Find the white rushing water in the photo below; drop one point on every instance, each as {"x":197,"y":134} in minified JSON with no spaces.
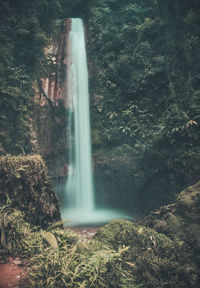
{"x":80,"y":183}
{"x":80,"y":206}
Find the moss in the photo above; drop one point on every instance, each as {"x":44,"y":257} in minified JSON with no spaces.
{"x":25,"y":185}
{"x":188,"y":203}
{"x":152,"y":258}
{"x":138,"y":238}
{"x":173,"y":219}
{"x":180,"y":222}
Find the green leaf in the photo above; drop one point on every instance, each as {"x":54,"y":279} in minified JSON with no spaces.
{"x":57,"y":224}
{"x":2,"y":229}
{"x":51,"y":239}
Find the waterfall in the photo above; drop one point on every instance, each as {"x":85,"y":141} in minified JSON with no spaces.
{"x":79,"y":206}
{"x":80,"y":184}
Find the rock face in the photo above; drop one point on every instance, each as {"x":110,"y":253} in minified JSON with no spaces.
{"x":49,"y":129}
{"x":114,"y":183}
{"x":24,"y":185}
{"x":49,"y":120}
{"x":53,"y":88}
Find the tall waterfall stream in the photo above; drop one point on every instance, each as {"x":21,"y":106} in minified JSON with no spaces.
{"x":79,"y":206}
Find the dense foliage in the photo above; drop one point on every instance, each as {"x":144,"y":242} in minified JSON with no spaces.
{"x":25,"y":30}
{"x":169,"y":258}
{"x":25,"y":185}
{"x":162,"y":251}
{"x":144,"y":66}
{"x":144,"y":78}
{"x":144,"y":81}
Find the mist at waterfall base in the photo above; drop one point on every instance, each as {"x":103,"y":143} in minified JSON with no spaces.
{"x":79,"y":200}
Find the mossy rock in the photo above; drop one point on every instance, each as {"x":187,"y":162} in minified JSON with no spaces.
{"x":188,"y":203}
{"x":152,"y":258}
{"x":180,"y":220}
{"x":25,"y":185}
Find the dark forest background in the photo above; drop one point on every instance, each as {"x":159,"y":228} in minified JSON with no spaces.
{"x":143,"y":59}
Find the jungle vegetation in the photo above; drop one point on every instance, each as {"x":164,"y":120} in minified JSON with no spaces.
{"x":144,"y":82}
{"x":143,"y":59}
{"x":144,"y":65}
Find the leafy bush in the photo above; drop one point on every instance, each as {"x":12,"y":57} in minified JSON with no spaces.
{"x":22,"y":239}
{"x":83,"y":265}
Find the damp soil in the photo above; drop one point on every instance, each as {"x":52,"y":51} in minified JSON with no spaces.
{"x":86,"y":232}
{"x":11,"y":272}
